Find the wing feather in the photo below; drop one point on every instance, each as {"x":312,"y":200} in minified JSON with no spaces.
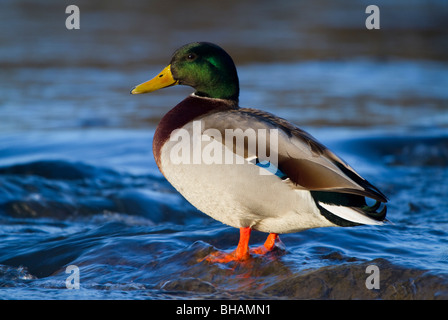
{"x":302,"y":158}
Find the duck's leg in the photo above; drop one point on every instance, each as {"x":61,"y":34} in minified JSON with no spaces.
{"x":240,"y":253}
{"x":272,"y":241}
{"x":242,"y":250}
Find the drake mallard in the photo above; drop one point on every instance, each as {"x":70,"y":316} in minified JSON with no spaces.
{"x":307,"y":186}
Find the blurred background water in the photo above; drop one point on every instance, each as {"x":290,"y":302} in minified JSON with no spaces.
{"x":79,"y":186}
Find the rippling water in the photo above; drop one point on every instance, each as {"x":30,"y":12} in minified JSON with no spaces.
{"x":79,"y":185}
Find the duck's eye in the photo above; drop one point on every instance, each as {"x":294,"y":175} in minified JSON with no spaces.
{"x":191,"y":57}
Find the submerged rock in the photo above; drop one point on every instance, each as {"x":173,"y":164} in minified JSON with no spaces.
{"x":348,"y":281}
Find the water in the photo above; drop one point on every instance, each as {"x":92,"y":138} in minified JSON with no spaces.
{"x":79,"y":185}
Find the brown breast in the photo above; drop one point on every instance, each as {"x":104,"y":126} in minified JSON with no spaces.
{"x":191,"y":108}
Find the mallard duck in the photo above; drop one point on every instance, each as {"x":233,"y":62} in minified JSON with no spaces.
{"x":268,"y":176}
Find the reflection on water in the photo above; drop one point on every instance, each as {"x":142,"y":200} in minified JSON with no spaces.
{"x":78,"y":183}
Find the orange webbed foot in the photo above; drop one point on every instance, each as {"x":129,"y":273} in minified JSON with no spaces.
{"x":242,"y":252}
{"x":273,"y":241}
{"x":239,"y":254}
{"x":224,"y":257}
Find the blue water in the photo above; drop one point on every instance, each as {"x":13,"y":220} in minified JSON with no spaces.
{"x":79,"y":185}
{"x":94,"y":199}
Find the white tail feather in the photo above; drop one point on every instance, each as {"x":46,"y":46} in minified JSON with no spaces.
{"x":349,"y":214}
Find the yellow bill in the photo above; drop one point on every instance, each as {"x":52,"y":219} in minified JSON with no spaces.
{"x":162,"y":80}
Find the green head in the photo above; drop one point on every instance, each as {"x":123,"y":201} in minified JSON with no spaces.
{"x":201,"y":65}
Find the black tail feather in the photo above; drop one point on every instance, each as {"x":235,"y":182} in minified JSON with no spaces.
{"x":355,"y":202}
